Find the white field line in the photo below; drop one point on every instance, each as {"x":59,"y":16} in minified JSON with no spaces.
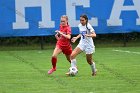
{"x":127,"y":52}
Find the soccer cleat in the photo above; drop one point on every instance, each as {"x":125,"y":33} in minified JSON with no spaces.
{"x":94,"y":73}
{"x":68,"y":73}
{"x":51,"y":70}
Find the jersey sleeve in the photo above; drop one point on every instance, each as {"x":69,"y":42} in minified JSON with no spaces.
{"x":91,"y":28}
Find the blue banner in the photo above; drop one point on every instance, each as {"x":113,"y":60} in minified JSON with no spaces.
{"x":42,"y":17}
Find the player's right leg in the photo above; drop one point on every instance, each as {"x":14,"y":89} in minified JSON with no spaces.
{"x":75,"y":52}
{"x":54,"y":59}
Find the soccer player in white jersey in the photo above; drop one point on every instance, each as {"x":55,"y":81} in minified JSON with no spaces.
{"x":86,"y":43}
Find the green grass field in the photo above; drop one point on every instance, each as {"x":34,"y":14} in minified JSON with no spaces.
{"x":26,"y":72}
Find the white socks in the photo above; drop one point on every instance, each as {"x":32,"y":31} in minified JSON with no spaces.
{"x":73,"y":63}
{"x":93,"y":68}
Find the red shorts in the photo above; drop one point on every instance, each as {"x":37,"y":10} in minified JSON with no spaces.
{"x":65,"y":50}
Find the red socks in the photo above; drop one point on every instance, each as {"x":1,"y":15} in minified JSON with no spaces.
{"x":54,"y":61}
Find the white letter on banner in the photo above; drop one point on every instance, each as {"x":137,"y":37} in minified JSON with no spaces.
{"x":71,"y":11}
{"x":20,"y":13}
{"x":118,"y":8}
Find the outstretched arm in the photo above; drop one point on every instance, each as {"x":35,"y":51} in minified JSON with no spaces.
{"x":75,"y":38}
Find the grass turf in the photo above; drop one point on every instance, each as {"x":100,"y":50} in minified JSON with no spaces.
{"x":26,"y":72}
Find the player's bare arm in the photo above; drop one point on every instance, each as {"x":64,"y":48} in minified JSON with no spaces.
{"x":75,"y":38}
{"x":93,"y":35}
{"x":68,"y":36}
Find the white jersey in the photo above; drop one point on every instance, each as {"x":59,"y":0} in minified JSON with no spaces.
{"x":86,"y":30}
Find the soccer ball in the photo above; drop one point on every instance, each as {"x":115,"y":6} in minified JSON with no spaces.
{"x":73,"y":71}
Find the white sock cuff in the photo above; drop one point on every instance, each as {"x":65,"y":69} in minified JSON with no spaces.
{"x":73,"y":60}
{"x":93,"y":63}
{"x":73,"y":63}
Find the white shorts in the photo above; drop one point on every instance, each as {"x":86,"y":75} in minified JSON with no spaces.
{"x":88,"y":49}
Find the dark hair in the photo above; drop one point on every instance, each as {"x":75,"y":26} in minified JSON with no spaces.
{"x":86,"y":18}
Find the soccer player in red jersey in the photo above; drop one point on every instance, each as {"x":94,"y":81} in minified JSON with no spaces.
{"x":63,"y":43}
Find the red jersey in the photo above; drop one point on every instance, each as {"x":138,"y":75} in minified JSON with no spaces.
{"x":64,"y":42}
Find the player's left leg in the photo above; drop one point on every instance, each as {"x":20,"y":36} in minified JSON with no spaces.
{"x":67,"y":53}
{"x":91,"y":63}
{"x":68,"y":58}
